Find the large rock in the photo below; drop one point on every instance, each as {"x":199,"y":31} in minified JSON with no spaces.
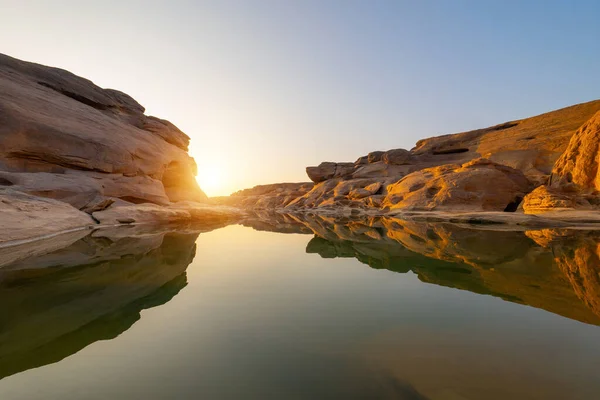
{"x":78,"y":191}
{"x":53,"y":121}
{"x":521,"y":155}
{"x":184,"y":211}
{"x":24,"y":216}
{"x":575,"y":179}
{"x":578,"y":165}
{"x":397,"y":157}
{"x":477,"y":185}
{"x":329,"y":170}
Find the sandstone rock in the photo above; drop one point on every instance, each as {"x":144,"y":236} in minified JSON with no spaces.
{"x":24,"y":216}
{"x":329,"y":170}
{"x":56,"y":122}
{"x":362,"y":160}
{"x":141,"y":213}
{"x":477,"y":185}
{"x":184,"y":211}
{"x":267,"y":197}
{"x":79,"y":191}
{"x":543,"y":199}
{"x":441,"y":173}
{"x":578,"y":165}
{"x":368,"y":190}
{"x":375,"y":156}
{"x":575,"y":179}
{"x":397,"y":157}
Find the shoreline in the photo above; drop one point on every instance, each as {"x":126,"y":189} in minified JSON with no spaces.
{"x":572,"y":219}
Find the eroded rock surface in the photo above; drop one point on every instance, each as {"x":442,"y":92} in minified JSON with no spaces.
{"x":575,"y":180}
{"x":484,"y":170}
{"x":23,"y":216}
{"x":57,"y":123}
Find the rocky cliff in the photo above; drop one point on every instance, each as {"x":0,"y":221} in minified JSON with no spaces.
{"x":64,"y":138}
{"x":490,"y":169}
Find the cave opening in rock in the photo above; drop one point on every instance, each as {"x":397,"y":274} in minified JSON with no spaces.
{"x":449,"y":151}
{"x":5,"y":182}
{"x":513,"y":205}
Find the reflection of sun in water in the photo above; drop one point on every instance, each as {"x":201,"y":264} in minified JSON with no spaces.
{"x":209,"y":178}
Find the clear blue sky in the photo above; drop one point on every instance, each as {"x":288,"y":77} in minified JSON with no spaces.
{"x":265,"y":88}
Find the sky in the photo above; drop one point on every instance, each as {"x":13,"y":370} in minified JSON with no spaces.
{"x":265,"y":88}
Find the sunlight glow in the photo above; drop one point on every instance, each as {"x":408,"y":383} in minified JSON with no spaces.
{"x":210,"y":179}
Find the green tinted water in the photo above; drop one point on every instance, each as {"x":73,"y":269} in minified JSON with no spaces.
{"x":411,"y":312}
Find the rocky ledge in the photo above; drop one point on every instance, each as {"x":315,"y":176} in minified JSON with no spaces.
{"x":543,"y":164}
{"x":73,"y":154}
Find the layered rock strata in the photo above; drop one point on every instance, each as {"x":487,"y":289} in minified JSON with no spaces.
{"x":64,"y":138}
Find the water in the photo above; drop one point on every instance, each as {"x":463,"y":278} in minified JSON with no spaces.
{"x":372,"y":309}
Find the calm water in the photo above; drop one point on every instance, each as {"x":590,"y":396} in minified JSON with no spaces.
{"x":369,"y":310}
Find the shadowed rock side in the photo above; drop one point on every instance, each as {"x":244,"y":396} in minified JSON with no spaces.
{"x":87,"y":140}
{"x":485,"y":170}
{"x":64,"y":138}
{"x":54,"y":305}
{"x":555,"y":270}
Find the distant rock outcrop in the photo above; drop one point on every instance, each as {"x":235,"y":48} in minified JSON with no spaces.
{"x":490,"y":169}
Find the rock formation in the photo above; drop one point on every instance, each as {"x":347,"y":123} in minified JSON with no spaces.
{"x":575,"y":179}
{"x":64,"y":138}
{"x":491,"y":169}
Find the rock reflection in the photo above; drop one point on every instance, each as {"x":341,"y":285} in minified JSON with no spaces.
{"x":551,"y":269}
{"x":55,"y":304}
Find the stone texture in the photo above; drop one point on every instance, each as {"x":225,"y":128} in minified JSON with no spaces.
{"x":24,"y":216}
{"x":78,"y":191}
{"x":179,"y":212}
{"x":397,"y":157}
{"x":477,"y":185}
{"x":56,"y":122}
{"x":579,"y":164}
{"x":575,"y":180}
{"x":262,"y":197}
{"x":329,"y":170}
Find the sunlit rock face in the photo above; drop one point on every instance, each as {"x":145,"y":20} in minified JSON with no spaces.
{"x":57,"y":303}
{"x":477,"y":185}
{"x":575,"y":181}
{"x":488,"y":169}
{"x":556,"y":270}
{"x":79,"y":135}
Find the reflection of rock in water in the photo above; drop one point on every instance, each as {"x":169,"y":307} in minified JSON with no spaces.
{"x":577,"y":254}
{"x":553,"y":270}
{"x":55,"y":305}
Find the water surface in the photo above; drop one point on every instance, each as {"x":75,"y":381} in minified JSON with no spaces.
{"x":330,"y":309}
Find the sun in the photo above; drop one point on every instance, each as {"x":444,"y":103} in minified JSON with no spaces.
{"x":210,"y":179}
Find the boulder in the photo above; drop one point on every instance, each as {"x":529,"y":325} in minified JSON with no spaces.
{"x":375,"y":156}
{"x":397,"y":157}
{"x":477,"y":185}
{"x":369,"y":190}
{"x":329,"y":170}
